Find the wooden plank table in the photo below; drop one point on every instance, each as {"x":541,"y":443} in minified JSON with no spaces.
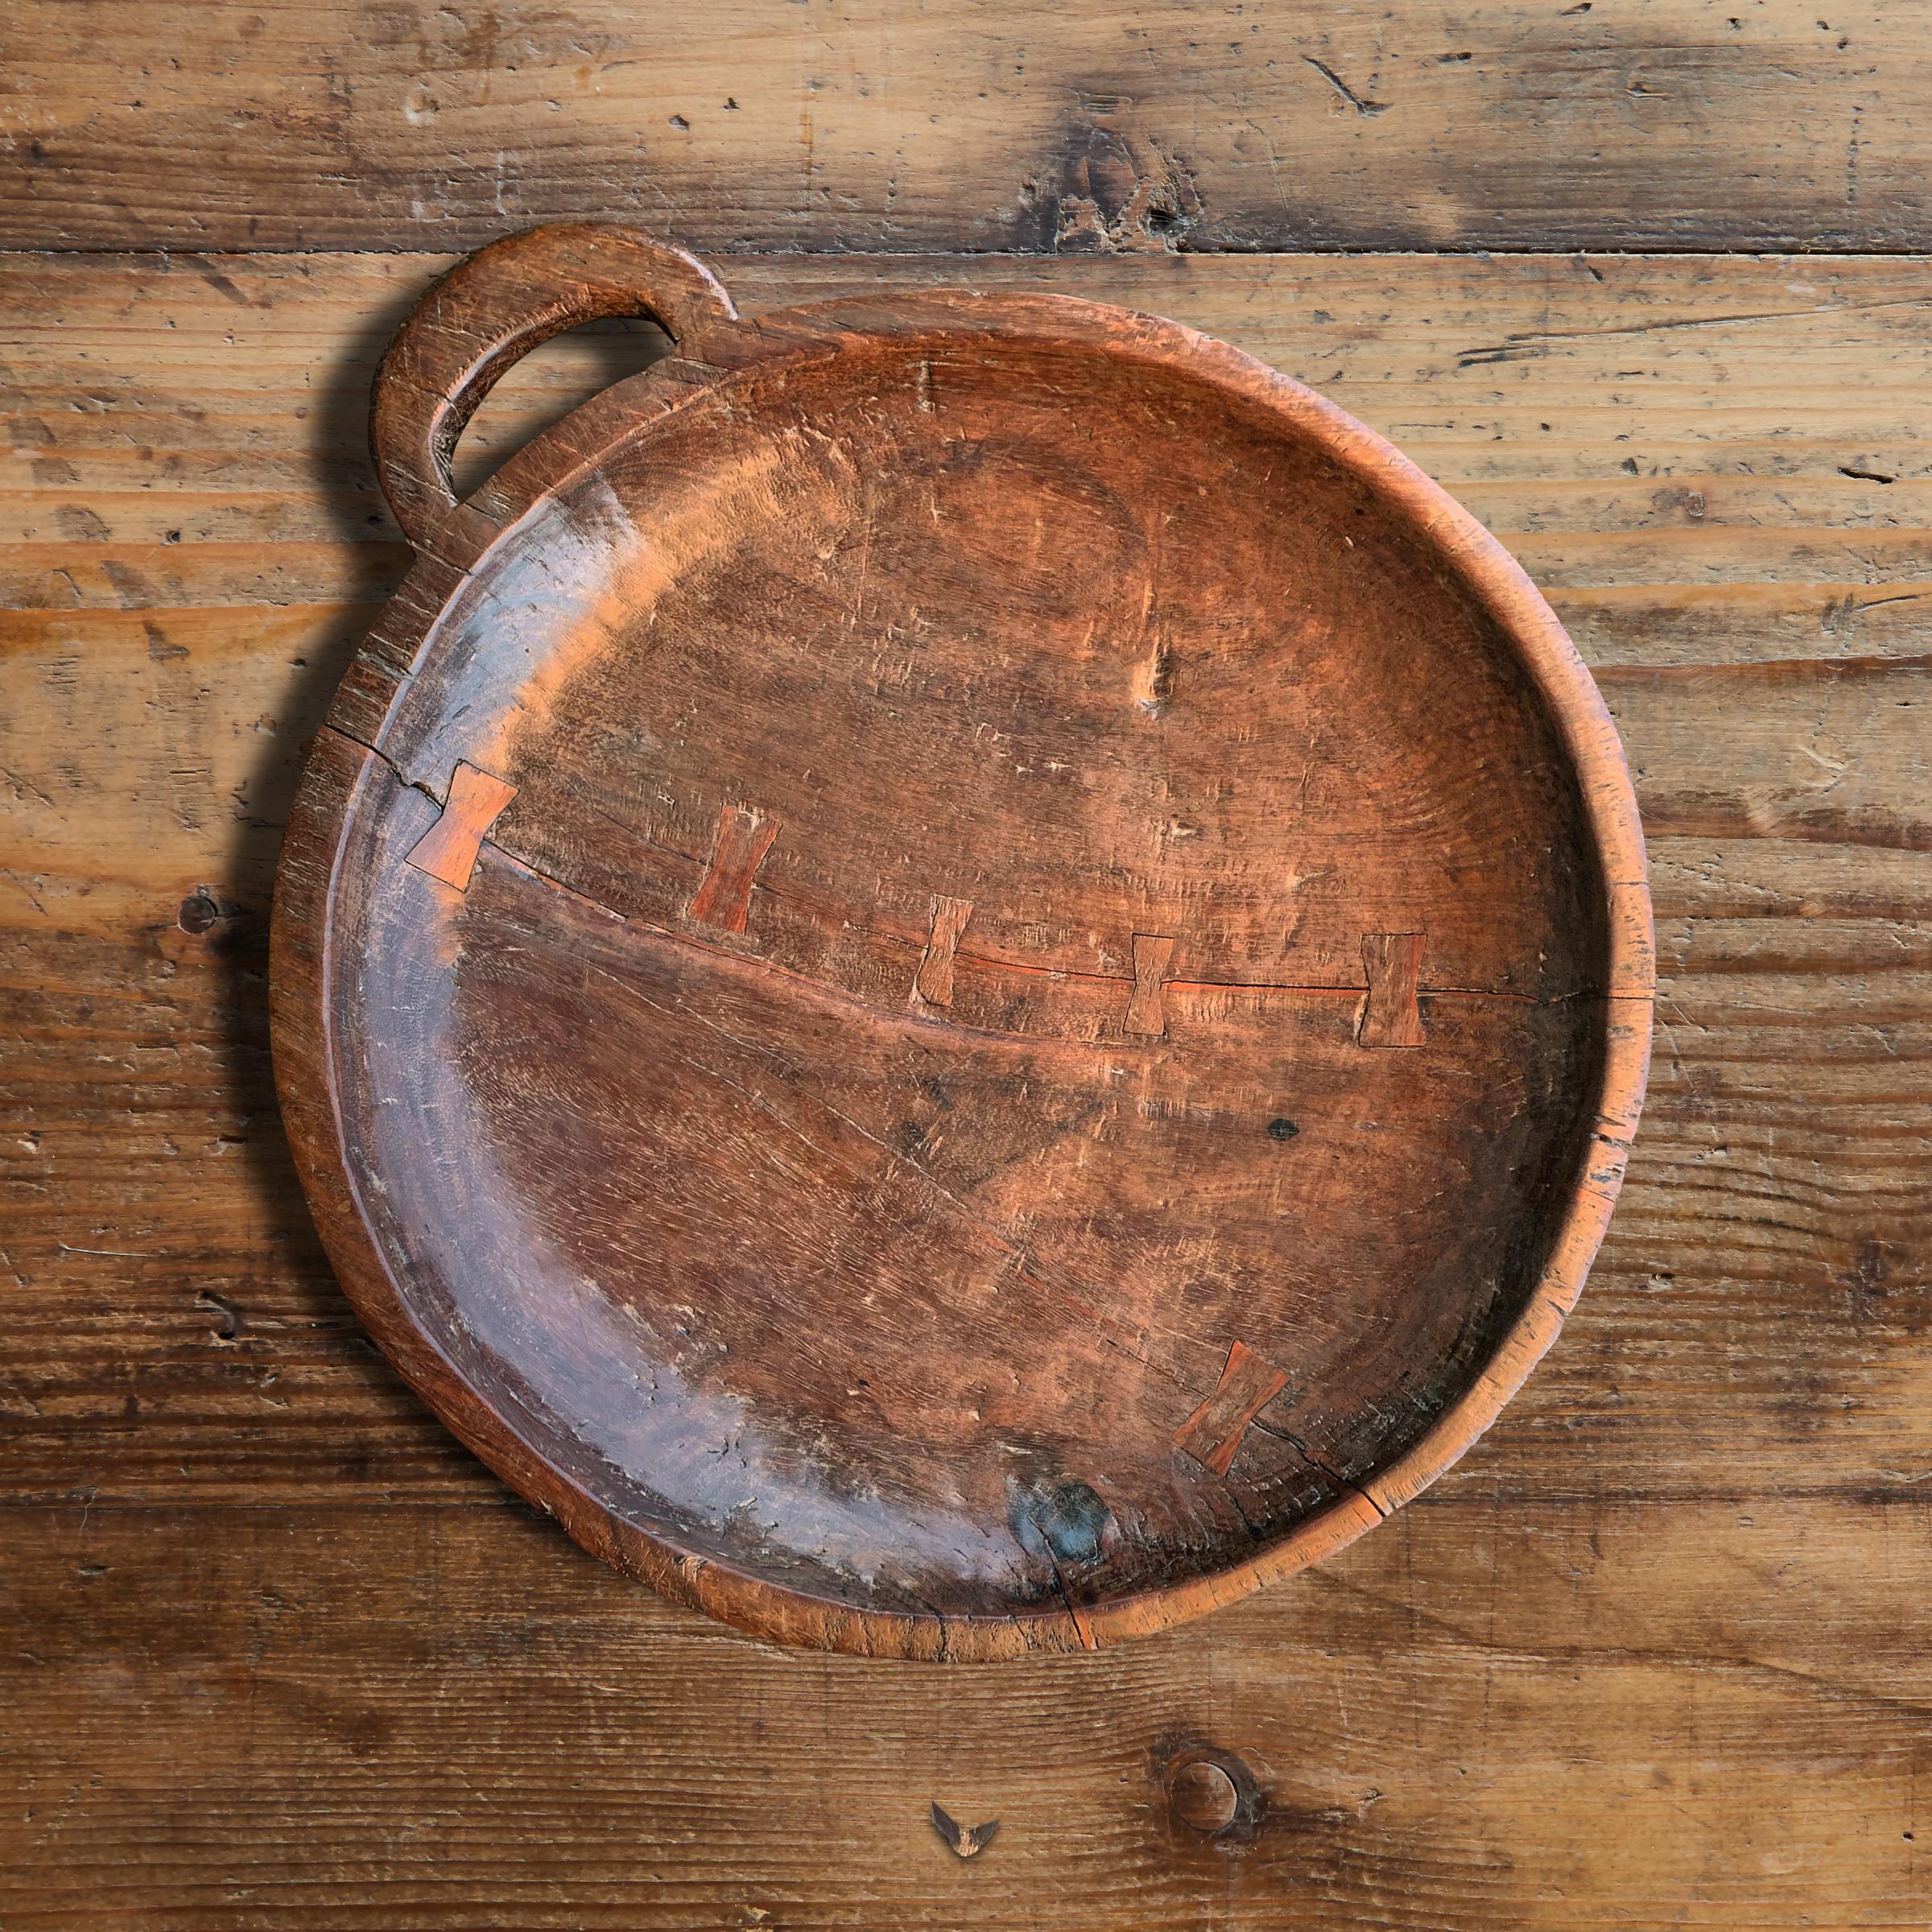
{"x":279,"y":1653}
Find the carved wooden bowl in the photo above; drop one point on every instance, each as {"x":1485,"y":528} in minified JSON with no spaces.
{"x":960,"y":972}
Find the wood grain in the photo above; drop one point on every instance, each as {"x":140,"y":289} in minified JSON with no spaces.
{"x":1492,"y":1712}
{"x":1650,"y":1655}
{"x":970,"y":124}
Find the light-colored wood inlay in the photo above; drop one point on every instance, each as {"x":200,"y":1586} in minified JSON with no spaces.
{"x":723,"y":897}
{"x":933,"y":982}
{"x":447,"y":851}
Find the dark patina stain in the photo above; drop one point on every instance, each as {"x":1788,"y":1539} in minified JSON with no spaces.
{"x":1062,"y":1521}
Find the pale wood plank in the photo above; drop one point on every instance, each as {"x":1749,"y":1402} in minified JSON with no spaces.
{"x":957,"y":126}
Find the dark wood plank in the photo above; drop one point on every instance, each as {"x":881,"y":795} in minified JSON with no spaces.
{"x":1498,"y":124}
{"x":1489,"y":1714}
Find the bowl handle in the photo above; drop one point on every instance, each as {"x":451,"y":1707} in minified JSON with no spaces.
{"x":496,"y":307}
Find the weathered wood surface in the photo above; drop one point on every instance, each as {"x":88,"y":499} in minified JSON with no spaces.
{"x":1507,"y":123}
{"x":1652,"y":1656}
{"x":1488,"y":1714}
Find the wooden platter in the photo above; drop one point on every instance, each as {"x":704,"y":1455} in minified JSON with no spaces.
{"x":961,"y":972}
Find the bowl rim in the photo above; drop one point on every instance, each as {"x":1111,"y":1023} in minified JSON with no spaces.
{"x":349,"y":756}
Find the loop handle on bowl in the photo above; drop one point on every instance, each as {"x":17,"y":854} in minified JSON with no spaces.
{"x":495,"y":308}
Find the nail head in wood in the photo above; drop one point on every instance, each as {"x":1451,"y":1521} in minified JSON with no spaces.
{"x":1204,"y":1798}
{"x":198,"y":912}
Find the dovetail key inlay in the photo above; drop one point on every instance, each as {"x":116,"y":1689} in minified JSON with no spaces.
{"x":723,"y":897}
{"x":1147,"y":1010}
{"x":447,"y":851}
{"x":933,"y":982}
{"x":1213,"y":1434}
{"x":1391,"y":1014}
